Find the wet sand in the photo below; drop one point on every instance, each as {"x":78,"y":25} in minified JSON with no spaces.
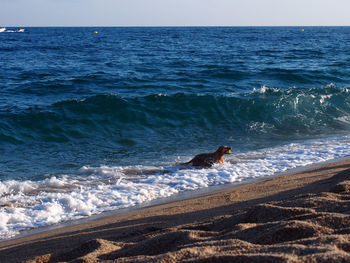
{"x":299,"y":217}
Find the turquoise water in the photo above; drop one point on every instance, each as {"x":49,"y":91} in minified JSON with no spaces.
{"x":79,"y":109}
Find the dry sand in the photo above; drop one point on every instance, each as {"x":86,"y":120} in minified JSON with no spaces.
{"x":300,"y":217}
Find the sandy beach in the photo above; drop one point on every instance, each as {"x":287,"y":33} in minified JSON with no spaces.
{"x":299,"y":217}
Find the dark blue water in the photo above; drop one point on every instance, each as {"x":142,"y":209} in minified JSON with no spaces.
{"x":148,"y":96}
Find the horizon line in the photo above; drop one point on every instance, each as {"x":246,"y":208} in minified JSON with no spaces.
{"x":154,"y":26}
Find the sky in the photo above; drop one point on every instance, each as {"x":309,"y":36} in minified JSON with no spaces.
{"x":174,"y":13}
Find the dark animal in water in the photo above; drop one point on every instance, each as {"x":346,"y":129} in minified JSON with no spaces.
{"x":208,"y":159}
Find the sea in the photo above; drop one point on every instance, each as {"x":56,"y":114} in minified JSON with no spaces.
{"x":99,"y":119}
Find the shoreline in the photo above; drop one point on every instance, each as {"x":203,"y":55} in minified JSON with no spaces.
{"x":167,"y":200}
{"x":177,"y":216}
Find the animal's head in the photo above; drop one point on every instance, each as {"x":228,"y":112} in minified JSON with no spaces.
{"x":224,"y":150}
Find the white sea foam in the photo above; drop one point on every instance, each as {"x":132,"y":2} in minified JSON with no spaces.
{"x":324,"y":97}
{"x":29,"y":204}
{"x":264,"y":89}
{"x":344,"y":119}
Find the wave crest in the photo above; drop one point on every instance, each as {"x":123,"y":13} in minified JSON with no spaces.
{"x":281,"y":112}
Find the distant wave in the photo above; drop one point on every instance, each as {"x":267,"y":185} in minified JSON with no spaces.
{"x":267,"y":110}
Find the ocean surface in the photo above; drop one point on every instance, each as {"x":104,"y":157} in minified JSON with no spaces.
{"x":98,"y":122}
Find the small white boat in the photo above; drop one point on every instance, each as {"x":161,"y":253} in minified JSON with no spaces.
{"x":20,"y":30}
{"x":2,"y":29}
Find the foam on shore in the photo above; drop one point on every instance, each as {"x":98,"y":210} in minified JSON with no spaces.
{"x":32,"y":204}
